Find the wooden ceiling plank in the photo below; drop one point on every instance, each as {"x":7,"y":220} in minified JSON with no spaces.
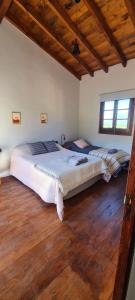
{"x":61,"y":13}
{"x":130,"y":4}
{"x":4,"y":6}
{"x":47,"y":29}
{"x":95,"y":11}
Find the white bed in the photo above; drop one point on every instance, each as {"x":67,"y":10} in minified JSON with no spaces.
{"x":38,"y":172}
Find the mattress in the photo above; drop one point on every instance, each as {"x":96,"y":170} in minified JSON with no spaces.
{"x":23,"y":167}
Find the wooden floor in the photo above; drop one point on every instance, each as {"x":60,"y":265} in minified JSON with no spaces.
{"x":43,"y":259}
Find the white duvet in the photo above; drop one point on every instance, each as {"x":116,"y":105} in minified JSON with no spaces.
{"x":52,"y":177}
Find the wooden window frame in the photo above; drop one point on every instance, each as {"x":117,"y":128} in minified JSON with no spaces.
{"x":114,"y":130}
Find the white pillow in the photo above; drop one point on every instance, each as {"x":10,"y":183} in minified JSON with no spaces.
{"x":60,"y":147}
{"x":81,"y":143}
{"x":23,"y":149}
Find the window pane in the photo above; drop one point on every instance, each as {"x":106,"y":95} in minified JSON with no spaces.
{"x":108,"y":114}
{"x":122,"y":124}
{"x":123,"y":103}
{"x":108,"y":124}
{"x":122,"y":114}
{"x":109,"y":105}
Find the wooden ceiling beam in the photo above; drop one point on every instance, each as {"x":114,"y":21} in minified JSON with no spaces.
{"x":48,"y":30}
{"x":61,"y":13}
{"x":95,"y":11}
{"x":130,"y":4}
{"x":4,"y":6}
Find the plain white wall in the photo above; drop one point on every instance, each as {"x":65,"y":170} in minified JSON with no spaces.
{"x":32,"y":82}
{"x":118,"y":78}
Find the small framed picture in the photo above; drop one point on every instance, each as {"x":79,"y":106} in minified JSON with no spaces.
{"x":43,"y":118}
{"x":16,"y":118}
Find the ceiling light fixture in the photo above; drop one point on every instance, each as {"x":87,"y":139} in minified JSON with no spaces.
{"x":75,"y":48}
{"x":69,"y":4}
{"x":75,"y":45}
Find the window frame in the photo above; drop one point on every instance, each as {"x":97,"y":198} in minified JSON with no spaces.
{"x":114,"y":130}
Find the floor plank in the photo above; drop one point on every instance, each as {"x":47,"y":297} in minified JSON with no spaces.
{"x":44,"y":259}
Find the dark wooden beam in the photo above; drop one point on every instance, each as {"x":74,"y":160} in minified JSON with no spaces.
{"x":61,"y":13}
{"x":130,"y":4}
{"x":95,"y":11}
{"x":4,"y":6}
{"x":48,"y":30}
{"x":46,"y":48}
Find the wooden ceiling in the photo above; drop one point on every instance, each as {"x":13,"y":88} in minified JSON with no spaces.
{"x":105,"y":33}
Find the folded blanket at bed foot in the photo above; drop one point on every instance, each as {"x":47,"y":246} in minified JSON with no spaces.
{"x":76,"y":160}
{"x":115,"y":161}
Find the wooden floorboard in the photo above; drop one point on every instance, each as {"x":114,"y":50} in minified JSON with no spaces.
{"x":44,"y":259}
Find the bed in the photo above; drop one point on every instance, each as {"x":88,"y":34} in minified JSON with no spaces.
{"x":52,"y":177}
{"x":116,"y":160}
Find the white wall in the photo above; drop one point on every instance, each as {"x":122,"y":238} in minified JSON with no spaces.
{"x":118,"y":78}
{"x":32,"y":82}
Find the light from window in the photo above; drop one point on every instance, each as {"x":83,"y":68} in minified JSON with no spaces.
{"x":116,"y":117}
{"x":108,"y":114}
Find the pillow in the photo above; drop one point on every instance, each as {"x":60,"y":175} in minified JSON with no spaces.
{"x":68,"y":145}
{"x":22,"y":149}
{"x":81,"y":143}
{"x":60,"y":147}
{"x":37,"y":148}
{"x":51,"y":146}
{"x":112,"y":151}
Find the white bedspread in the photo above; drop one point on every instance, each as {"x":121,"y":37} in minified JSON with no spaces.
{"x":68,"y":176}
{"x":52,"y":177}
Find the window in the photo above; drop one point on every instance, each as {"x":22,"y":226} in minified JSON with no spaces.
{"x":116,"y":117}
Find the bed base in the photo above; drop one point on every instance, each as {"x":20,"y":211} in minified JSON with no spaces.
{"x":82,"y":187}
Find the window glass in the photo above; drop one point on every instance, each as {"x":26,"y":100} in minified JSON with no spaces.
{"x":122,"y":104}
{"x":122,"y":114}
{"x":107,"y":123}
{"x":122,"y":124}
{"x":109,"y":105}
{"x":108,"y":114}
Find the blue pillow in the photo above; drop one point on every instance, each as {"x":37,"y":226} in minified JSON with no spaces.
{"x":51,"y":146}
{"x":37,"y":148}
{"x":73,"y":147}
{"x":112,"y":151}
